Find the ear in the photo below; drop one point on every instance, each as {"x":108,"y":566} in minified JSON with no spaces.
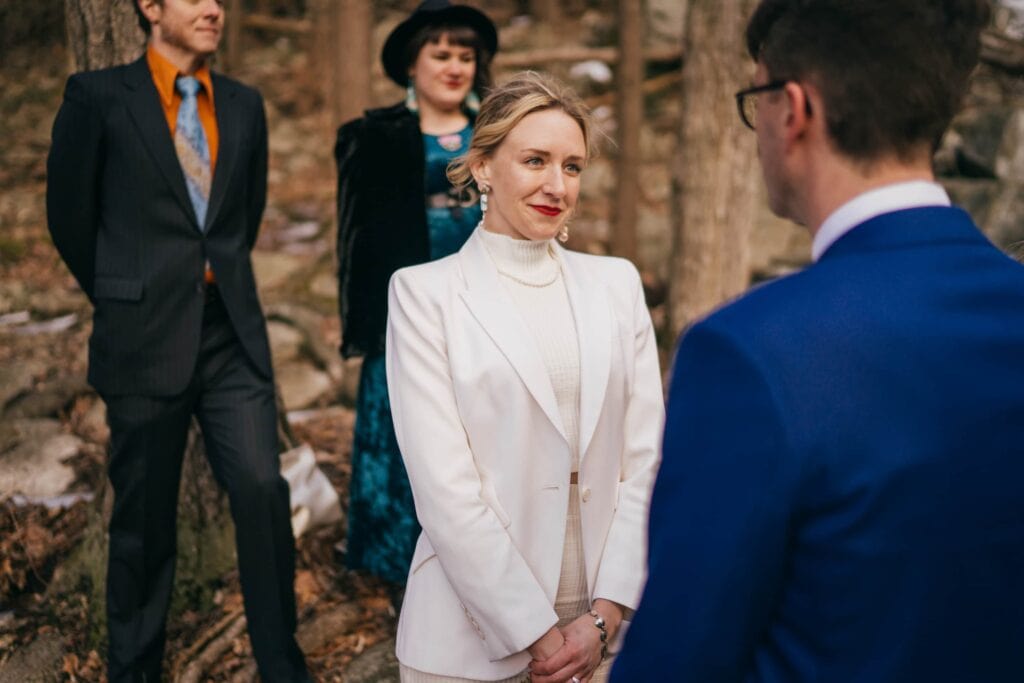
{"x":481,"y":171}
{"x":800,"y":115}
{"x":152,"y":9}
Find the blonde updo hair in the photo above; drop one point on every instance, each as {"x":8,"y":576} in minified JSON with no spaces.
{"x":508,"y":104}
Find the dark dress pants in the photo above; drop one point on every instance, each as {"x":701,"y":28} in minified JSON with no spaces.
{"x":236,"y":409}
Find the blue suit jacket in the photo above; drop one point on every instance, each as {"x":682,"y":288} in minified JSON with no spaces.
{"x":842,"y":492}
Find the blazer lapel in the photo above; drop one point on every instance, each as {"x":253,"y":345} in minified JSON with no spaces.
{"x":593,"y":329}
{"x":145,"y":110}
{"x":489,"y":303}
{"x":228,"y":129}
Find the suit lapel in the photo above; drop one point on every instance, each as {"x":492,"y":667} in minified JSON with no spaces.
{"x":593,"y":329}
{"x":226,"y":109}
{"x":492,"y":307}
{"x":147,"y":113}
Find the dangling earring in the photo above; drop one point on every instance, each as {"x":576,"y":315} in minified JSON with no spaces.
{"x":484,"y":189}
{"x":563,"y":233}
{"x":410,"y":99}
{"x":472,"y":103}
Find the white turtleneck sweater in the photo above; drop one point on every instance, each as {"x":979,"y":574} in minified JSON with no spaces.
{"x":533,"y":278}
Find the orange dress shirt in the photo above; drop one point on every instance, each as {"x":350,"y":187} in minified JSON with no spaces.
{"x":164,"y":73}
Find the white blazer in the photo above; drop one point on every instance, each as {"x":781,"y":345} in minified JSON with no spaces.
{"x":483,"y":443}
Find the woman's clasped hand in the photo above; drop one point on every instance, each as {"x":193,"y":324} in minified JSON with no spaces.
{"x":580,"y":648}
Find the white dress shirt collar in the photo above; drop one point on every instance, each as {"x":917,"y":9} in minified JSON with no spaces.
{"x":896,"y":197}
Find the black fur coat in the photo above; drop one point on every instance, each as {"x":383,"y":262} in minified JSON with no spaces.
{"x":382,"y":220}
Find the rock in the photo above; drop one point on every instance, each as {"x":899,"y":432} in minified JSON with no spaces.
{"x":13,"y":295}
{"x":319,"y":632}
{"x":56,"y":302}
{"x":301,"y":384}
{"x":376,"y":664}
{"x":274,"y":269}
{"x":1003,"y":224}
{"x":16,"y":318}
{"x":1009,"y":163}
{"x":93,"y":425}
{"x":299,"y":232}
{"x":35,"y":466}
{"x":49,"y":398}
{"x":285,"y":341}
{"x":977,"y":137}
{"x":666,"y":21}
{"x":9,"y":438}
{"x":51,"y":326}
{"x":325,"y":286}
{"x":312,"y":325}
{"x":39,"y":662}
{"x":976,"y":197}
{"x":592,"y":70}
{"x":17,"y":379}
{"x":348,"y":388}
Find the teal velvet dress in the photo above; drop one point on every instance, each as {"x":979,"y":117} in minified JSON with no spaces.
{"x":382,"y":526}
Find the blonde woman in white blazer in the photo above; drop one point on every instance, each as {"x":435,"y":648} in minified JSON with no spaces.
{"x":527,"y":401}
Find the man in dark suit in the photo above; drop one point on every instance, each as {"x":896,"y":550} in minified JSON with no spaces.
{"x":156,"y":187}
{"x":841,"y":497}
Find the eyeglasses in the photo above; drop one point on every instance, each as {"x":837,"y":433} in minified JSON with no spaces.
{"x":746,"y":101}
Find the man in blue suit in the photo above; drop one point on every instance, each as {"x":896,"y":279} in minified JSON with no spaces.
{"x":842,"y":492}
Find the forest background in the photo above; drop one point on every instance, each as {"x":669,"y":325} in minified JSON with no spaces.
{"x":676,"y":189}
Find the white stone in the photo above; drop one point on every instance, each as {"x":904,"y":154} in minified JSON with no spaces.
{"x":324,"y":285}
{"x":301,"y":384}
{"x":35,"y":466}
{"x":273,"y":269}
{"x":285,"y":341}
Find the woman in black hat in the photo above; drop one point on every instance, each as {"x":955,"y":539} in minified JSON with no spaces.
{"x":396,"y":208}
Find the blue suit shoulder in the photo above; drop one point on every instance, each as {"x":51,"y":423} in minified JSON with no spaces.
{"x":769,"y":307}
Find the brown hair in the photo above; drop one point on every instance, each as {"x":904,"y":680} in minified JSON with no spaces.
{"x":508,"y":104}
{"x":891,"y":72}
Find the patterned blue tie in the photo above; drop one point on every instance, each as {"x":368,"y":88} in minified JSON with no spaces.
{"x":190,"y":143}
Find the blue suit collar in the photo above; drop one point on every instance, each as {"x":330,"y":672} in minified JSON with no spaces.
{"x":906,"y":228}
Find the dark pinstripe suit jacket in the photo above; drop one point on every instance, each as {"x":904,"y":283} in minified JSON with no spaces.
{"x":120,"y":216}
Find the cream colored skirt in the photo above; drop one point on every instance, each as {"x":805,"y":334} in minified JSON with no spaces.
{"x":571,"y":601}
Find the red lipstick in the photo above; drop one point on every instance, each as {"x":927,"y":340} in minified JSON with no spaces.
{"x":546,"y":210}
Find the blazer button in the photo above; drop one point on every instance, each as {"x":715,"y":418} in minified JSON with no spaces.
{"x":585,"y":495}
{"x":199,"y":287}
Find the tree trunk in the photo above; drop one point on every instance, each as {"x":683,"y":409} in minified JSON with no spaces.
{"x":102,"y":33}
{"x":342,"y":32}
{"x":717,"y":172}
{"x":630,"y":75}
{"x":546,"y":11}
{"x":352,"y":31}
{"x":235,"y":36}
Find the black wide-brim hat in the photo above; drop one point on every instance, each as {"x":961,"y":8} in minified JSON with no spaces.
{"x":433,"y":13}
